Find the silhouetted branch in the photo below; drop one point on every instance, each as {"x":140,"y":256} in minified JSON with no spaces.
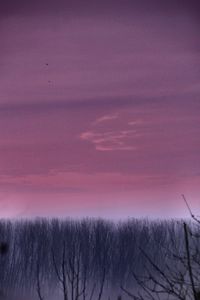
{"x":187,"y":246}
{"x":190,"y":211}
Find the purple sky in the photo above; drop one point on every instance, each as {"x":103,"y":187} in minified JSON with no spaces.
{"x":99,"y":108}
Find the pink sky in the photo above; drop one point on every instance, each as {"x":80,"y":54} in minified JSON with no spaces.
{"x":99,"y":108}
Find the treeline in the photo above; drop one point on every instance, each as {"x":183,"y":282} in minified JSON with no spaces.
{"x":85,"y":259}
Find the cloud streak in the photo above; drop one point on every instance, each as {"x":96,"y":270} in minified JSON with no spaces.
{"x":106,"y":118}
{"x":110,"y":141}
{"x":93,"y":6}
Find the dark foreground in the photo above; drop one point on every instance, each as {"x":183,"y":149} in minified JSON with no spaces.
{"x":96,"y":259}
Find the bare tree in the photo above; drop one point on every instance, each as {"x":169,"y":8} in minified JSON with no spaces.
{"x":73,"y":269}
{"x":61,"y":274}
{"x":38,"y":280}
{"x":178,"y":275}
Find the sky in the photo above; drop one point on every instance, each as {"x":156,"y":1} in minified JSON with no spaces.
{"x":99,"y":108}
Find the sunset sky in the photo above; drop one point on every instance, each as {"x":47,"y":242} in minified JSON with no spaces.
{"x":99,"y":108}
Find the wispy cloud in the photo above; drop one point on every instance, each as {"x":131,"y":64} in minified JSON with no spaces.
{"x":116,"y":133}
{"x":110,"y":140}
{"x":135,"y":122}
{"x":106,"y":118}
